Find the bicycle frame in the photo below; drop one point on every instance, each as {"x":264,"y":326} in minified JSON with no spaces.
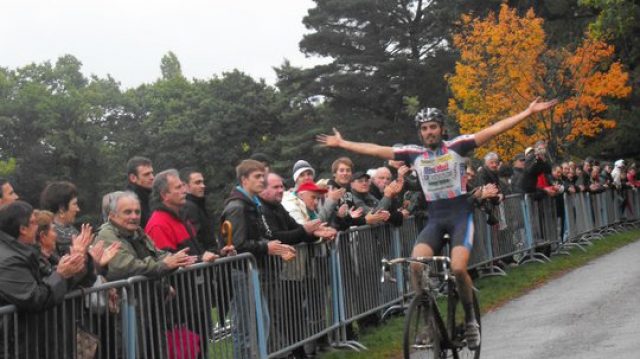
{"x":430,"y":293}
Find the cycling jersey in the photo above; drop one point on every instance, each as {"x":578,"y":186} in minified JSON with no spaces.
{"x":442,"y":172}
{"x":442,"y":175}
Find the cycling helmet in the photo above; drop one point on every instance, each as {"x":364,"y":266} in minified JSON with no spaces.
{"x":429,"y":114}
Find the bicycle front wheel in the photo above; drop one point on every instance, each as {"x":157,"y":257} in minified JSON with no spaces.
{"x":422,"y":337}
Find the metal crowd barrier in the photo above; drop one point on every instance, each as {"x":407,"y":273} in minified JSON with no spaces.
{"x":301,"y":297}
{"x":89,"y":323}
{"x":237,"y":307}
{"x":506,"y":240}
{"x":633,"y":205}
{"x":206,"y":310}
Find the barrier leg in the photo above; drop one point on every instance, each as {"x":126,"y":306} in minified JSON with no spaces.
{"x":399,"y":278}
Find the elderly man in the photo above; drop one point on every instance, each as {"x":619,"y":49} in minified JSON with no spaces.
{"x":381,"y":178}
{"x":137,"y":254}
{"x":490,"y":175}
{"x":167,"y":227}
{"x":328,"y":208}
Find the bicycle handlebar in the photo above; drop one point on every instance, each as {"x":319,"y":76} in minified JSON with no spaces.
{"x":386,"y":264}
{"x":422,"y":260}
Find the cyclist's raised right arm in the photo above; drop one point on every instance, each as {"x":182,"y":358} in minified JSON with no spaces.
{"x":369,"y":149}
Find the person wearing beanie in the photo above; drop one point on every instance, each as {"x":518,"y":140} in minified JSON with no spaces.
{"x":302,"y":172}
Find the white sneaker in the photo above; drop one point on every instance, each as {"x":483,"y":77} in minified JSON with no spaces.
{"x":472,"y":334}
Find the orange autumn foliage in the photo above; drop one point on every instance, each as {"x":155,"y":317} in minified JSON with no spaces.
{"x":505,"y":64}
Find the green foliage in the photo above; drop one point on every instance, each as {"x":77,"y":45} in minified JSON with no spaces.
{"x":52,"y":122}
{"x":7,"y":167}
{"x":618,"y":18}
{"x":411,"y":105}
{"x":170,"y":66}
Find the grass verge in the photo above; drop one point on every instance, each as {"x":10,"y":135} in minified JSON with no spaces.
{"x":385,"y":340}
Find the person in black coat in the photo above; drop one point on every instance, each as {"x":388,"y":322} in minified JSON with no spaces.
{"x":21,"y":281}
{"x":195,"y":210}
{"x":140,"y":180}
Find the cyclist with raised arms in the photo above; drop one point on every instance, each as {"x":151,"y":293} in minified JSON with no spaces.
{"x":441,"y":170}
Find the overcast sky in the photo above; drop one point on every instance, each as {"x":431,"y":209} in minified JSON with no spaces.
{"x":127,"y":38}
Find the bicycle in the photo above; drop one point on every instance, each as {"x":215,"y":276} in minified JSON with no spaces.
{"x":426,"y":333}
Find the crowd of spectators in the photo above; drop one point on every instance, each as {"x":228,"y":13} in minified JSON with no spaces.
{"x":159,"y":223}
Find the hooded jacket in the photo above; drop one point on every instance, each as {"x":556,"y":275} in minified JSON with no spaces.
{"x":250,"y":231}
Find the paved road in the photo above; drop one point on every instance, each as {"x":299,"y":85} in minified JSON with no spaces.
{"x":591,"y":312}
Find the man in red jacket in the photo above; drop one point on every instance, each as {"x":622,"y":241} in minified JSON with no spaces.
{"x":167,"y":227}
{"x":170,"y":231}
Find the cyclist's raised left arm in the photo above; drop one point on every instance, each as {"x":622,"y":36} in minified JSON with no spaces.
{"x":485,"y":135}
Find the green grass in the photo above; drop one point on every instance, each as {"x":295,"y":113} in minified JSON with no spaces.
{"x":385,"y":340}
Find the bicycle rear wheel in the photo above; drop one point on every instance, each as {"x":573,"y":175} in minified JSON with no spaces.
{"x":421,"y":333}
{"x":456,"y":326}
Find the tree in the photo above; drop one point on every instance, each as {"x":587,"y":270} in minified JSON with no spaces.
{"x":380,"y":51}
{"x":7,"y":167}
{"x":52,"y":123}
{"x":505,"y":63}
{"x":170,"y":66}
{"x":618,"y":22}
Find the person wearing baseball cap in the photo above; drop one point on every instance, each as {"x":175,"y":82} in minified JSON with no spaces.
{"x":377,"y":211}
{"x":305,"y":208}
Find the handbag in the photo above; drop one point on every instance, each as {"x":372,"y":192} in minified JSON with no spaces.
{"x":96,"y":302}
{"x":101,"y":301}
{"x":86,"y":343}
{"x":182,"y":343}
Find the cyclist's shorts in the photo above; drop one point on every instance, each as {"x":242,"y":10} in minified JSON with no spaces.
{"x":449,"y":216}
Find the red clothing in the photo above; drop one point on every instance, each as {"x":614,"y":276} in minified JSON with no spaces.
{"x":542,"y":182}
{"x":631,"y":179}
{"x":167,"y":231}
